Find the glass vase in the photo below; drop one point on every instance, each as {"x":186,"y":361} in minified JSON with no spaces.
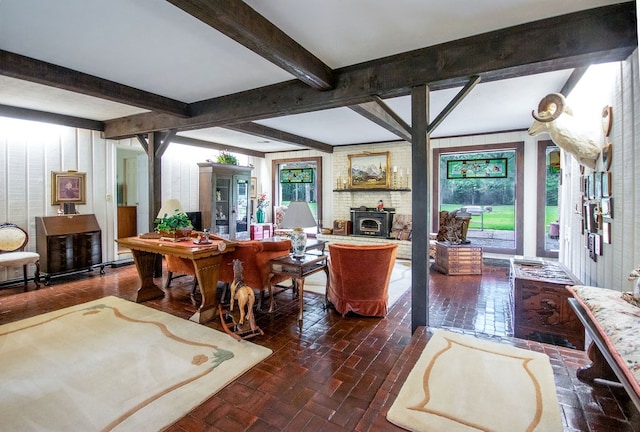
{"x":298,"y":242}
{"x":260,"y":215}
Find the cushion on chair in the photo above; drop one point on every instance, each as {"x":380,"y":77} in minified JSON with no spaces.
{"x":359,"y":277}
{"x":11,"y":259}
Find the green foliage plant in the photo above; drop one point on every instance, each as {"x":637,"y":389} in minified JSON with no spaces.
{"x":171,"y":223}
{"x":227,"y":158}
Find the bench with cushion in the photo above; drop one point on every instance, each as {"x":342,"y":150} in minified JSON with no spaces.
{"x":613,"y":324}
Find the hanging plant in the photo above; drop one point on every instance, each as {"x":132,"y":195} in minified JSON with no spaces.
{"x":227,"y":158}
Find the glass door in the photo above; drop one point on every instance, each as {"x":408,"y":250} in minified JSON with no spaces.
{"x":241,"y":207}
{"x":221,"y":205}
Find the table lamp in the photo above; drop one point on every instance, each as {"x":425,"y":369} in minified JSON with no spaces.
{"x":298,"y":216}
{"x":170,"y":207}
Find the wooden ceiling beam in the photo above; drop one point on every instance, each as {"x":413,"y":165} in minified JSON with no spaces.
{"x":240,"y":22}
{"x":47,"y":117}
{"x":266,"y":132}
{"x":29,"y":69}
{"x":381,"y":114}
{"x":215,"y":146}
{"x":453,"y":104}
{"x":565,"y":42}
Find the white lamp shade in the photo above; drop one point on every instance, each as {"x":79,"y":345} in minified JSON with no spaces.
{"x":298,"y":215}
{"x":170,"y":207}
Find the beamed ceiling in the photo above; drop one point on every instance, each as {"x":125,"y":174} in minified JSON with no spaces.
{"x":257,"y":77}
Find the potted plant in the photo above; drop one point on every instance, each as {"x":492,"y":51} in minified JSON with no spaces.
{"x":176,"y":227}
{"x":227,"y":158}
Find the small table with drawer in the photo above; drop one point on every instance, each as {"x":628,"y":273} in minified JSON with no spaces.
{"x":458,"y":259}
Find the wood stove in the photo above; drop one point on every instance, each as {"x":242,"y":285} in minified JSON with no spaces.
{"x":371,"y":222}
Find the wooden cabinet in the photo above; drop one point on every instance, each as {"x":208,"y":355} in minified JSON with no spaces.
{"x":68,"y":243}
{"x":541,"y":307}
{"x":224,"y":199}
{"x":458,"y":259}
{"x":127,"y":221}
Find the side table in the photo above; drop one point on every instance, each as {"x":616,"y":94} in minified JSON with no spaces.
{"x":460,"y":259}
{"x":297,"y":269}
{"x":260,"y":231}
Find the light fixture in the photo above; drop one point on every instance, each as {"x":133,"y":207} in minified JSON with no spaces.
{"x":170,"y":207}
{"x":298,"y":216}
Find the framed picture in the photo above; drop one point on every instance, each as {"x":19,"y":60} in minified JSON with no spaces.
{"x":606,"y":232}
{"x":597,"y":182}
{"x":68,"y":187}
{"x":597,"y":244}
{"x":369,"y":171}
{"x":606,"y":184}
{"x":606,"y":207}
{"x":253,"y":189}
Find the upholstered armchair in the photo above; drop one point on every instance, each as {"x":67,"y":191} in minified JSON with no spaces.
{"x":359,"y":277}
{"x":255,"y":256}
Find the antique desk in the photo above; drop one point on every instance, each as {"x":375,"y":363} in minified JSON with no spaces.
{"x":540,"y":301}
{"x":462,"y":259}
{"x":206,"y":260}
{"x":297,"y":269}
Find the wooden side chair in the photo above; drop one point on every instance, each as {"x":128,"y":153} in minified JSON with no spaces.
{"x":13,"y":241}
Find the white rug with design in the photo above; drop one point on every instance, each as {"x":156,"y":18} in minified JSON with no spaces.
{"x":461,"y":383}
{"x":399,"y":283}
{"x":112,"y":364}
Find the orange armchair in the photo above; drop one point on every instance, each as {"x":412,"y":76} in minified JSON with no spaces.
{"x":359,"y":277}
{"x":255,"y":256}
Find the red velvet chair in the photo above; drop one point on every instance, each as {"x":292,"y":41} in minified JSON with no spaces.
{"x":359,"y":277}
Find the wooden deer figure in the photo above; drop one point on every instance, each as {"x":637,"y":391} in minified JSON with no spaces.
{"x":243,"y":293}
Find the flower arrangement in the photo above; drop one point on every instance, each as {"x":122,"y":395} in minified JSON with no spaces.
{"x":262,"y":201}
{"x":227,"y":158}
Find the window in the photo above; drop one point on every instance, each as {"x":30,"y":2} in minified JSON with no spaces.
{"x":301,"y":180}
{"x":548,"y":228}
{"x":494,"y":201}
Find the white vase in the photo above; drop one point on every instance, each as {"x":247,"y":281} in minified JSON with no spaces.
{"x":298,"y":242}
{"x":636,"y":288}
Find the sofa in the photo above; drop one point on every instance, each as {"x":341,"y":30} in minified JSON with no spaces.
{"x":255,"y":256}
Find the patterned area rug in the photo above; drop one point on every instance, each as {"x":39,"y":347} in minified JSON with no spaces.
{"x":400,"y":281}
{"x":111,"y":364}
{"x":461,"y":383}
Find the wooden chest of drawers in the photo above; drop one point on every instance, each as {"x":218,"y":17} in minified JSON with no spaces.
{"x":540,"y":301}
{"x":458,"y":259}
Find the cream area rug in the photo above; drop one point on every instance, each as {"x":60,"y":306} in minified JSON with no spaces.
{"x":399,"y":283}
{"x":111,"y":364}
{"x":461,"y":383}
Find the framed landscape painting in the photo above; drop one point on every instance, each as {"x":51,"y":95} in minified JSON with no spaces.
{"x":369,"y":171}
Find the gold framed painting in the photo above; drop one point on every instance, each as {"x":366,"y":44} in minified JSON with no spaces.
{"x":68,"y":187}
{"x":369,"y":171}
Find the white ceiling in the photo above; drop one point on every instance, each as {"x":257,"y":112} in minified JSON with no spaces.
{"x":154,"y":46}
